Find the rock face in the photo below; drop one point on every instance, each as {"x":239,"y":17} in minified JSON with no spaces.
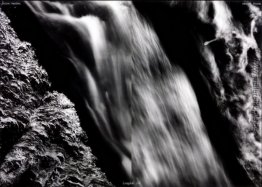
{"x":233,"y":59}
{"x":224,"y":42}
{"x":41,"y":141}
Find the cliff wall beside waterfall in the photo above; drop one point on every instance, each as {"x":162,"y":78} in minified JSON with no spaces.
{"x":41,"y":141}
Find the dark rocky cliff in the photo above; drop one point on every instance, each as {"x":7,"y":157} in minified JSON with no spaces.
{"x":41,"y":141}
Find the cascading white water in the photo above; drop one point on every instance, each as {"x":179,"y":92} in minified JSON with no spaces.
{"x":144,"y":107}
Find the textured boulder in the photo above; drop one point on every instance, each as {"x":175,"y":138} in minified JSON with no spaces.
{"x":233,"y":59}
{"x":41,"y":140}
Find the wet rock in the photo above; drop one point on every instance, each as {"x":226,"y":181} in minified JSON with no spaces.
{"x":41,"y":140}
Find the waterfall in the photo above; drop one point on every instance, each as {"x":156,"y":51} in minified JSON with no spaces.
{"x":142,"y":104}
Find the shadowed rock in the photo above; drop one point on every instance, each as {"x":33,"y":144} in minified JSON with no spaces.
{"x":41,"y":141}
